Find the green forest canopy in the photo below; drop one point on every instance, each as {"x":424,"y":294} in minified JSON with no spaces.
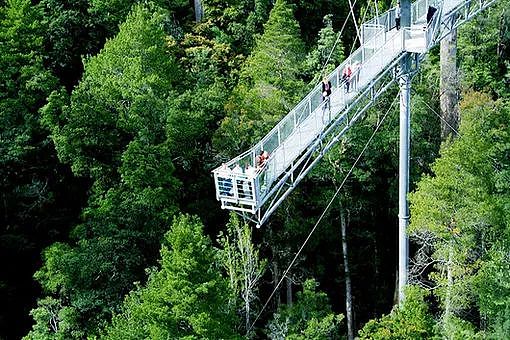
{"x":112,"y":115}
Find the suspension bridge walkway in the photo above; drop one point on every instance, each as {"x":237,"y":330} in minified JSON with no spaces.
{"x":308,"y":131}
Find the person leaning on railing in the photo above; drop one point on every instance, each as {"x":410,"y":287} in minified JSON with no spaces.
{"x":261,"y":159}
{"x":260,"y":162}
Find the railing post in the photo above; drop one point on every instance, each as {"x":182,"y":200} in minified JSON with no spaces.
{"x":217,"y":186}
{"x":256,"y":188}
{"x":234,"y":187}
{"x":316,"y":118}
{"x":283,"y":153}
{"x":253,"y":191}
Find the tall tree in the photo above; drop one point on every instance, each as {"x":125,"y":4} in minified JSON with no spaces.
{"x":199,"y":11}
{"x":328,"y":53}
{"x":348,"y":286}
{"x":411,"y":320}
{"x":449,"y":85}
{"x":310,"y":317}
{"x":310,"y":13}
{"x":24,"y":83}
{"x":269,"y":84}
{"x":244,"y":268}
{"x":483,"y":53}
{"x":39,"y":198}
{"x":123,"y":95}
{"x":114,"y":131}
{"x":186,"y":298}
{"x":71,"y":32}
{"x":235,"y":22}
{"x":457,"y":215}
{"x":278,"y":52}
{"x":109,"y":14}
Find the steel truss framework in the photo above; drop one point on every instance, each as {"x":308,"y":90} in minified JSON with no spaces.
{"x":304,"y":136}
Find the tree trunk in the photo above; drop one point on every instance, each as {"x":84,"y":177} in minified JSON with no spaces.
{"x":247,"y":309}
{"x":395,"y":292}
{"x":449,"y":85}
{"x":199,"y":11}
{"x":288,"y":281}
{"x":348,"y":289}
{"x":449,"y":280}
{"x":275,"y":282}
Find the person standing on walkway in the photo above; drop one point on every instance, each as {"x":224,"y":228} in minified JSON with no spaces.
{"x":346,"y":77}
{"x":397,"y":16}
{"x":326,"y":92}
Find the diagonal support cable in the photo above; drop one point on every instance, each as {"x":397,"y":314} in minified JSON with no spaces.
{"x":323,"y":214}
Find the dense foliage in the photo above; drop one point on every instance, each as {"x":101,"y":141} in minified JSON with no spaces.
{"x":112,"y":115}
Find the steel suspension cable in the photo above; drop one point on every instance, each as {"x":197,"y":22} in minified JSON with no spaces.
{"x":336,"y":41}
{"x":362,"y":21}
{"x":323,"y":214}
{"x":340,"y":34}
{"x":351,"y":6}
{"x":440,"y":117}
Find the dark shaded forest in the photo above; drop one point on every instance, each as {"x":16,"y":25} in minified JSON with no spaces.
{"x":113,"y":115}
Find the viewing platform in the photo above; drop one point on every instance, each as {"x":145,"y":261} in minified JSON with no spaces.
{"x":310,"y":129}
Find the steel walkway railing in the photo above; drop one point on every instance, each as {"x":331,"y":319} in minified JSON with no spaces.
{"x":309,"y":130}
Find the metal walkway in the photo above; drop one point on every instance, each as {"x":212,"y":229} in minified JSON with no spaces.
{"x":309,"y":130}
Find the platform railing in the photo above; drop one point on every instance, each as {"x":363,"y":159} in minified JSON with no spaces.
{"x":247,"y":192}
{"x":254,"y":187}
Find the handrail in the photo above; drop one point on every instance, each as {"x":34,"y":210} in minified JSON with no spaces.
{"x":315,"y":90}
{"x":296,"y":141}
{"x":358,"y":55}
{"x":307,"y":106}
{"x":291,"y":122}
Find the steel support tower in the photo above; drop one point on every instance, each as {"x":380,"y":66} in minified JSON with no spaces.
{"x":302,"y":138}
{"x":404,"y":156}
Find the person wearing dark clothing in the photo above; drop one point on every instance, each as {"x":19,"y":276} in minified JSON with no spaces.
{"x":326,"y":88}
{"x":326,"y":92}
{"x":430,"y":13}
{"x":346,"y":77}
{"x":397,"y":16}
